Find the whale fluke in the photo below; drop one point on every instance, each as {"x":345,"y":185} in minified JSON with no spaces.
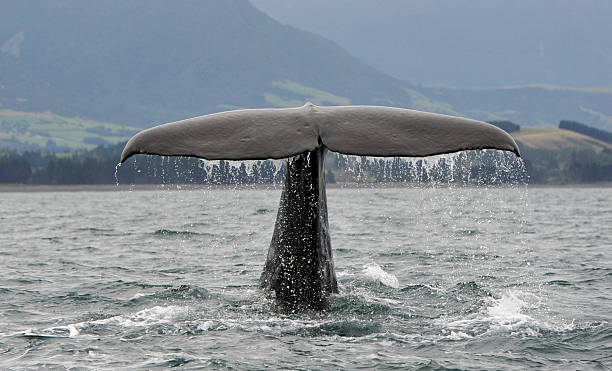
{"x":275,"y":133}
{"x":299,"y":267}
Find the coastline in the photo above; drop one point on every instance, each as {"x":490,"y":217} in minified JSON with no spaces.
{"x":27,"y":188}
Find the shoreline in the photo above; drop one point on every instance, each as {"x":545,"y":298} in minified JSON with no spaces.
{"x":39,"y":188}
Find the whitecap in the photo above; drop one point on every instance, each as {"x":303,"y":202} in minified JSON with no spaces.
{"x":507,"y":314}
{"x":144,"y":318}
{"x":73,"y":331}
{"x":375,"y":272}
{"x":458,"y":336}
{"x":139,"y":295}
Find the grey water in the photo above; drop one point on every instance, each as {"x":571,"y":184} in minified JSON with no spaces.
{"x":430,"y":278}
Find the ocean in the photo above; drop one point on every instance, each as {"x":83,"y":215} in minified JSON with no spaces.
{"x":431,"y":278}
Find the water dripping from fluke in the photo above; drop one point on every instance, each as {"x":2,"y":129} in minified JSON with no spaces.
{"x":299,"y":268}
{"x":117,"y":173}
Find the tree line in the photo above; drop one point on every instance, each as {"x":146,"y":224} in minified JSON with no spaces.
{"x":99,"y":166}
{"x":586,"y":130}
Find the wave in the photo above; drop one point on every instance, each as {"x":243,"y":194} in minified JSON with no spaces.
{"x":100,"y":231}
{"x":174,"y":319}
{"x":359,"y":303}
{"x":507,"y":314}
{"x":375,"y":272}
{"x":279,"y":326}
{"x":263,"y":211}
{"x":196,"y":224}
{"x":173,"y":233}
{"x":182,"y":292}
{"x":145,"y":318}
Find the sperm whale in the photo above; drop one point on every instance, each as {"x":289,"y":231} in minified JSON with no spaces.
{"x":299,"y":268}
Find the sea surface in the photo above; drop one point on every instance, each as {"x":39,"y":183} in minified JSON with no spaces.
{"x":431,"y":278}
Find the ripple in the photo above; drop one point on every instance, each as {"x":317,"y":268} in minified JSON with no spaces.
{"x":559,"y":283}
{"x":347,"y":328}
{"x":359,"y":304}
{"x":173,"y":233}
{"x":99,"y":231}
{"x":182,"y":292}
{"x":263,"y":211}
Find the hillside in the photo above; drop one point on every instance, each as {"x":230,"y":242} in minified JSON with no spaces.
{"x":466,"y":43}
{"x":144,"y":62}
{"x":486,"y":59}
{"x":553,"y":139}
{"x":50,"y":132}
{"x":149,"y":61}
{"x":529,"y":104}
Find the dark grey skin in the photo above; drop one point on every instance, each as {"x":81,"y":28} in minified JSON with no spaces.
{"x":299,"y":267}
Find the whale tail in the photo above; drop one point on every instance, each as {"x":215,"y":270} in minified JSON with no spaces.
{"x":257,"y":134}
{"x":299,"y":267}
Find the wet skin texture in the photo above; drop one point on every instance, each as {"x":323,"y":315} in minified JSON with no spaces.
{"x":299,"y":267}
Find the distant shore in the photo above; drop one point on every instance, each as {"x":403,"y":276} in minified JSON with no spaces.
{"x":7,"y":188}
{"x":124,"y":187}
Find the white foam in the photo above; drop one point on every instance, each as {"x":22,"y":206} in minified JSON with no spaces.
{"x":458,"y":335}
{"x":507,"y":311}
{"x":507,"y":314}
{"x":375,"y":272}
{"x":342,"y":274}
{"x":140,"y":295}
{"x":207,"y":325}
{"x":272,"y":325}
{"x":73,"y":330}
{"x":143,"y":318}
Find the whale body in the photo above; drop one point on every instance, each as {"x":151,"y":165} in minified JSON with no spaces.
{"x":299,"y":267}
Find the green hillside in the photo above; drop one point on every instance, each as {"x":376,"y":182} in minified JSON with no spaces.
{"x":30,"y":131}
{"x":149,"y":61}
{"x":559,"y":156}
{"x":145,"y":62}
{"x":554,"y":139}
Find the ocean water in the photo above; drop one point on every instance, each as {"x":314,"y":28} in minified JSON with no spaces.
{"x":430,"y":278}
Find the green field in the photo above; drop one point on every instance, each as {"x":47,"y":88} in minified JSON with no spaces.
{"x":554,"y":139}
{"x":302,"y":93}
{"x":28,"y":130}
{"x":48,"y":131}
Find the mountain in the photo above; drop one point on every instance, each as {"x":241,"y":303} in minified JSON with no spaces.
{"x":145,"y":61}
{"x":102,"y":69}
{"x":466,"y":43}
{"x":486,"y":59}
{"x":529,"y":104}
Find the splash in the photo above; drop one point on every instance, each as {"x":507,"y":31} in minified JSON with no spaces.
{"x":145,"y":318}
{"x":466,"y":167}
{"x":513,"y":313}
{"x":247,"y":171}
{"x":375,"y":272}
{"x":117,"y":173}
{"x":483,"y":167}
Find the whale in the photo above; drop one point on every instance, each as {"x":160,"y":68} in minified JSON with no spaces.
{"x":299,"y":268}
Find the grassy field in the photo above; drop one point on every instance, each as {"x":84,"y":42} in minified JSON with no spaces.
{"x":28,"y":130}
{"x":551,"y":138}
{"x":301,"y":94}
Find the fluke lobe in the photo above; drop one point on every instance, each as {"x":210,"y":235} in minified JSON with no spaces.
{"x":299,"y":267}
